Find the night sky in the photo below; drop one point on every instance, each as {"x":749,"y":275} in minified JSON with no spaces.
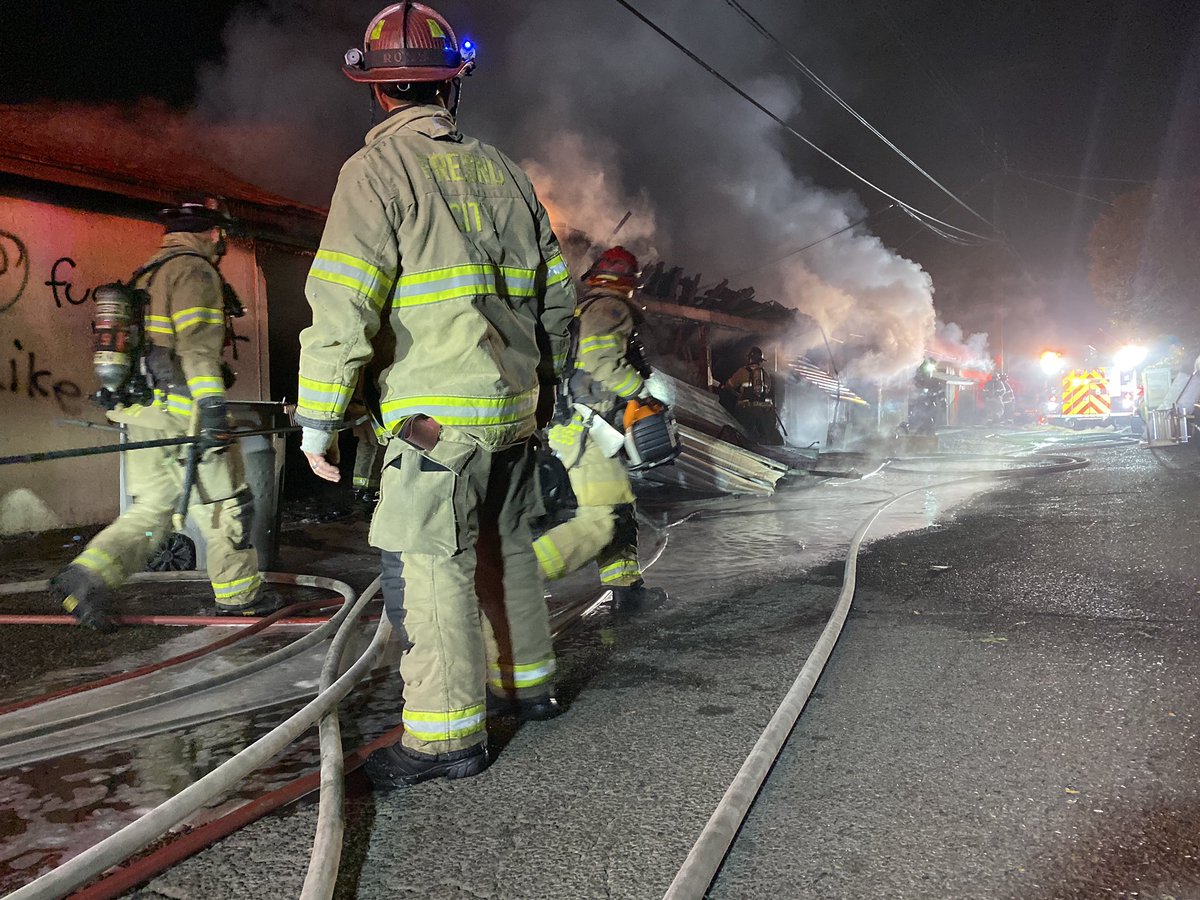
{"x":1020,"y":107}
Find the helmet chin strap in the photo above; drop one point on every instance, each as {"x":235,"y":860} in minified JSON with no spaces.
{"x":454,"y":96}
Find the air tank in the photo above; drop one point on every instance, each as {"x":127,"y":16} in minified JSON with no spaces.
{"x":113,"y":356}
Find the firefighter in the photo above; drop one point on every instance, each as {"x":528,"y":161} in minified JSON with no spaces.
{"x":439,"y":271}
{"x":998,"y":399}
{"x":754,"y":387}
{"x":368,"y":452}
{"x":609,"y":370}
{"x":926,"y":402}
{"x":186,"y":333}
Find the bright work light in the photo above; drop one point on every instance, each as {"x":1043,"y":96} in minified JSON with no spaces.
{"x":1129,"y":357}
{"x":1052,"y":362}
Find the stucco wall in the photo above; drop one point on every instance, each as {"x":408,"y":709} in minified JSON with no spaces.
{"x":50,"y":259}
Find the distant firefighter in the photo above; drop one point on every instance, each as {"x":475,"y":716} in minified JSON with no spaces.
{"x":927,"y":401}
{"x":998,"y":399}
{"x":368,"y":450}
{"x":756,"y":408}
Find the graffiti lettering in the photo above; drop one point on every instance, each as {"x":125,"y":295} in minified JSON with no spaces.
{"x":24,"y":377}
{"x":55,"y":283}
{"x":14,"y":269}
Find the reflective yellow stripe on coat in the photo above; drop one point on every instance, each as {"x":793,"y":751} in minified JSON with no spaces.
{"x":462,"y":411}
{"x":350,"y":271}
{"x":455,"y":282}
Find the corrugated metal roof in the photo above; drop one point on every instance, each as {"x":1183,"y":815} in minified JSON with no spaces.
{"x":810,"y":373}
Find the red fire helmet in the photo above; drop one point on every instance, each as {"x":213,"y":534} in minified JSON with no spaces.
{"x":408,"y":42}
{"x":615,"y":268}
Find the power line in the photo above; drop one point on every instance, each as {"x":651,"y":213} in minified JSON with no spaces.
{"x":1058,"y":187}
{"x":832,"y":94}
{"x":940,"y":81}
{"x":812,"y":244}
{"x":1140,"y":181}
{"x":912,"y":210}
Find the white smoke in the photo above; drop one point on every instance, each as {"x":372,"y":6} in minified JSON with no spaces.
{"x":575,"y":184}
{"x":968,"y":351}
{"x":607,"y":117}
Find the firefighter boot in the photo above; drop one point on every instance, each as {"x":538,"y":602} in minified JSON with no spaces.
{"x":265,"y":603}
{"x":527,"y":709}
{"x":84,"y":595}
{"x":397,"y":766}
{"x":636,"y":597}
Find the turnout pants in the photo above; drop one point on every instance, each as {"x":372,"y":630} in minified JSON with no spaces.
{"x":221,"y":506}
{"x":453,"y":525}
{"x":604,"y":526}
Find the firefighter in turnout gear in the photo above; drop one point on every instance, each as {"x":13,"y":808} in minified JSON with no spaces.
{"x":439,"y":272}
{"x":368,"y":451}
{"x":185,"y":326}
{"x":609,"y":371}
{"x":754,"y":388}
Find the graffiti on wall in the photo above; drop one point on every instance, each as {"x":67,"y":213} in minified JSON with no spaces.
{"x":21,"y":373}
{"x":14,"y":269}
{"x":55,"y":283}
{"x":23,"y":377}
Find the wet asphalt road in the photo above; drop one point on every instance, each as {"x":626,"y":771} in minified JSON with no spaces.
{"x":1022,"y":725}
{"x":1018,"y":725}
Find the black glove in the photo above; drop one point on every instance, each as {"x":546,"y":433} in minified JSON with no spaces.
{"x":243,"y":515}
{"x":214,"y":425}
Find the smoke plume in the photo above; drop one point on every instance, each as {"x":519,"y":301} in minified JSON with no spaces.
{"x":607,"y":118}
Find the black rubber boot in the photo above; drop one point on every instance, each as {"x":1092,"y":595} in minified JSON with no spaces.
{"x":262,"y":605}
{"x":528,"y":709}
{"x":85,"y":596}
{"x":636,"y":597}
{"x":397,"y":766}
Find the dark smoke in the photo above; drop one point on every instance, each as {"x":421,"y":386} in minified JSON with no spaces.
{"x":606,"y":117}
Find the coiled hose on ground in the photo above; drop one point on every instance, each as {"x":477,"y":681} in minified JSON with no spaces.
{"x":133,"y":837}
{"x":283,"y":653}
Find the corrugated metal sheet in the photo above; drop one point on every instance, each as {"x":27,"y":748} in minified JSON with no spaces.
{"x":810,"y":373}
{"x":710,"y":464}
{"x":699,"y":409}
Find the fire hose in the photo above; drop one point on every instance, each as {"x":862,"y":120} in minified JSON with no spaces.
{"x":696,"y":875}
{"x":327,"y":846}
{"x":283,"y":653}
{"x":133,"y":837}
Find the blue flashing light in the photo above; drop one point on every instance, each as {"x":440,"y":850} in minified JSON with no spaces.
{"x":468,"y":51}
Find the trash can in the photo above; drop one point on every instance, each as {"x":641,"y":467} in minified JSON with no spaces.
{"x":262,"y":458}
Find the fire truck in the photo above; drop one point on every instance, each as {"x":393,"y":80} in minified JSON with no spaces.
{"x":1095,"y":398}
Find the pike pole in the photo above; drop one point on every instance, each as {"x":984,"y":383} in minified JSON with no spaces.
{"x":49,"y":455}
